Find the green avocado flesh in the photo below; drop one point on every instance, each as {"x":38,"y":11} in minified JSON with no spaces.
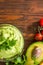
{"x":30,"y":60}
{"x":11,"y":41}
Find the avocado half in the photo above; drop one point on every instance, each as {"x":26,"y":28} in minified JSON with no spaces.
{"x":32,"y":60}
{"x":11,"y":41}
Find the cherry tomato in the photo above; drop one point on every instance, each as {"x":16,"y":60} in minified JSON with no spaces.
{"x":42,"y":32}
{"x":38,"y":36}
{"x":41,"y":22}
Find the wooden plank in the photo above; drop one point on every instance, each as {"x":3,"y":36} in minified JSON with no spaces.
{"x":24,"y":14}
{"x":22,"y":7}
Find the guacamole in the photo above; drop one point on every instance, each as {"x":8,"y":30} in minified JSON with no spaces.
{"x":11,"y":41}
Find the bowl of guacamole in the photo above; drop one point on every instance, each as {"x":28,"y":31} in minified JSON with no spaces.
{"x":11,"y":41}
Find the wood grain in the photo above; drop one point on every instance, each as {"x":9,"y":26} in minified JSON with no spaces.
{"x":24,"y":14}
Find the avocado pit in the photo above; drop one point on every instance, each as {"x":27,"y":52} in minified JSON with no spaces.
{"x":36,"y":52}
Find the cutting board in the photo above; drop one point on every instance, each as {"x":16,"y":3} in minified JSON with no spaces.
{"x":24,"y":14}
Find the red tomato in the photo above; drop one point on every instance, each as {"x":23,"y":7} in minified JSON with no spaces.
{"x":41,"y":22}
{"x":38,"y":36}
{"x":42,"y":32}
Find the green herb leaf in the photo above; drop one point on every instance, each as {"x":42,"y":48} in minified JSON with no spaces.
{"x":12,"y":42}
{"x":20,"y":60}
{"x":7,"y":63}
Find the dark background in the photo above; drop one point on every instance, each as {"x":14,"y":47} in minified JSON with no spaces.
{"x":24,"y":14}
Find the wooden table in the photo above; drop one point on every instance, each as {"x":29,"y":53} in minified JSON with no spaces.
{"x":24,"y":14}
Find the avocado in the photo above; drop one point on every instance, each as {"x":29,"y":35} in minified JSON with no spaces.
{"x":11,"y":41}
{"x":34,"y":53}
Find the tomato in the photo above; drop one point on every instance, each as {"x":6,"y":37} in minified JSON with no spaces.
{"x":42,"y":32}
{"x":38,"y":36}
{"x":41,"y":22}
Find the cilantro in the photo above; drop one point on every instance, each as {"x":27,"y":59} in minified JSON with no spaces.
{"x":18,"y":60}
{"x":7,"y":63}
{"x":4,"y":46}
{"x":7,"y":44}
{"x":12,"y":42}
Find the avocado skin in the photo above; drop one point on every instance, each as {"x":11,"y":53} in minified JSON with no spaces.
{"x":38,"y":60}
